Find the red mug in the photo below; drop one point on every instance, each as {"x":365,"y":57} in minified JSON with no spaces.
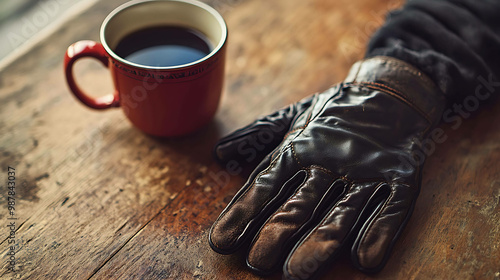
{"x":161,"y":101}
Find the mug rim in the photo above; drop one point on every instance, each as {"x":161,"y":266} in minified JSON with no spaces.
{"x":199,"y":4}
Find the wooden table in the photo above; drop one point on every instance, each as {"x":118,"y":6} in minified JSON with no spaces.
{"x":98,"y":199}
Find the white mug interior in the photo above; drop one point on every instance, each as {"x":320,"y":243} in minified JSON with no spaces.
{"x":136,"y":15}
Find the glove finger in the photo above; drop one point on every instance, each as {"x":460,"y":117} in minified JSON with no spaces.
{"x":261,"y":195}
{"x":251,"y":143}
{"x":322,"y":244}
{"x":285,"y":226}
{"x":378,"y":235}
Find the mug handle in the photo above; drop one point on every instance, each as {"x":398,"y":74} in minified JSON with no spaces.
{"x":88,"y":49}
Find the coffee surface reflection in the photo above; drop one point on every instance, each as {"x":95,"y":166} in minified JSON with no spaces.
{"x":163,"y":46}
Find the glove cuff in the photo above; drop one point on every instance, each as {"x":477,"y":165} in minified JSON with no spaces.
{"x":402,"y":81}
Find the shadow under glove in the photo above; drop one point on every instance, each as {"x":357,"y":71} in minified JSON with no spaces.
{"x":341,"y":168}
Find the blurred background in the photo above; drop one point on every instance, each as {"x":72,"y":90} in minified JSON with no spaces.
{"x":21,"y":21}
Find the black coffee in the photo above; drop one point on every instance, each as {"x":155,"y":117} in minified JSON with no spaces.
{"x":163,"y":46}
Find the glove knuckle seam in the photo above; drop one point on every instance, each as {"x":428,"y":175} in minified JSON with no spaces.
{"x":324,"y":170}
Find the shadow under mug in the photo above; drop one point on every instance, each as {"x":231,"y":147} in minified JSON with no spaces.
{"x":161,"y":101}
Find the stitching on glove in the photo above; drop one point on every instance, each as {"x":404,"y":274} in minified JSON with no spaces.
{"x":310,"y":118}
{"x":315,"y":100}
{"x":328,"y":172}
{"x":275,"y":154}
{"x":295,"y":130}
{"x":400,"y":96}
{"x":408,"y":100}
{"x":396,"y":63}
{"x":396,"y":94}
{"x":295,"y":155}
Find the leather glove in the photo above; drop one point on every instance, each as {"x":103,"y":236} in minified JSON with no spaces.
{"x":340,"y":168}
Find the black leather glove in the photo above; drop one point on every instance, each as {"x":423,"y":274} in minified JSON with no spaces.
{"x":342,"y":168}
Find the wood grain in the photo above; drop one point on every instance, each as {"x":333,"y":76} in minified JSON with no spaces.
{"x":97,"y":199}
